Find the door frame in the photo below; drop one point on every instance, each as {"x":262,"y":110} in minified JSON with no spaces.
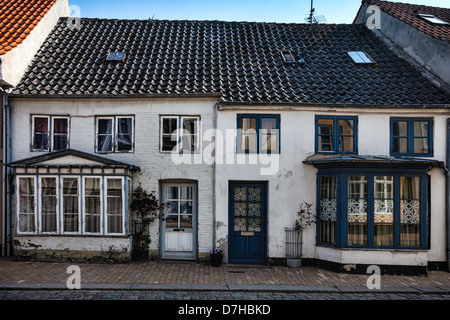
{"x":265,"y":210}
{"x":163,"y":254}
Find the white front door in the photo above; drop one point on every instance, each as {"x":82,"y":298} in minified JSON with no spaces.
{"x":179,"y":221}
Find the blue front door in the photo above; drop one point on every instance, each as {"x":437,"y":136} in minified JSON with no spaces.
{"x":247,"y":227}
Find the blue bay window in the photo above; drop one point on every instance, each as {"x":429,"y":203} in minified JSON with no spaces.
{"x":372,"y":203}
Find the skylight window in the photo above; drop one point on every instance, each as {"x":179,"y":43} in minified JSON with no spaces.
{"x":116,"y":56}
{"x":292,"y":57}
{"x":432,"y":19}
{"x":360,"y":57}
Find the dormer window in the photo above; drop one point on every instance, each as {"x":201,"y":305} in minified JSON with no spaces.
{"x":432,"y":19}
{"x":360,"y":57}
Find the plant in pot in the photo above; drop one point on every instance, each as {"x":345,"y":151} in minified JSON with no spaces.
{"x":294,"y":236}
{"x":216,"y":256}
{"x":146,"y":209}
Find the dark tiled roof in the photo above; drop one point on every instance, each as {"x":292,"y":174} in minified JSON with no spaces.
{"x":241,"y":61}
{"x":408,"y":14}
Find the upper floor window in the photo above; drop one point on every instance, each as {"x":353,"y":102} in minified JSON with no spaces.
{"x":258,"y":133}
{"x":50,"y":133}
{"x":412,"y":136}
{"x":336,"y":134}
{"x":180,"y":134}
{"x":115,"y":134}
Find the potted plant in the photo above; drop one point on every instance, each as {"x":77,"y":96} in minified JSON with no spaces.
{"x":294,"y":235}
{"x":216,"y":256}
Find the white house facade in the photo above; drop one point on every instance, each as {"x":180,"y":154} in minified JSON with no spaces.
{"x":233,"y":125}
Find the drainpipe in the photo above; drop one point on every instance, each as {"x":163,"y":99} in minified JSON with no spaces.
{"x":447,"y":161}
{"x":3,"y":188}
{"x":7,"y":159}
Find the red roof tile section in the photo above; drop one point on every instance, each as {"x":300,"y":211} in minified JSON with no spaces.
{"x":408,"y":14}
{"x":17,"y":20}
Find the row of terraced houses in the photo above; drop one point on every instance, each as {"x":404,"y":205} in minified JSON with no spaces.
{"x":232,"y":125}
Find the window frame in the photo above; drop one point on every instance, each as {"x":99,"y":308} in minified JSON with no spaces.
{"x":50,"y":132}
{"x":342,"y":208}
{"x":179,"y":134}
{"x":114,"y":133}
{"x":410,"y":136}
{"x":336,"y":135}
{"x":37,"y":205}
{"x":18,"y":207}
{"x":259,"y":133}
{"x":61,"y":199}
{"x":124,"y":194}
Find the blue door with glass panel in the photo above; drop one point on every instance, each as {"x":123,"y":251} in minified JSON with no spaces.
{"x":248,"y":221}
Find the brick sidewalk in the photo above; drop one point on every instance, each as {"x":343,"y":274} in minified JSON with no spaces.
{"x":164,"y":273}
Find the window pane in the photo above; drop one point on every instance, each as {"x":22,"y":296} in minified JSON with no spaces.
{"x":172,"y":221}
{"x":410,"y":187}
{"x":26,"y":205}
{"x":105,"y":126}
{"x":114,"y":205}
{"x":326,"y":135}
{"x":328,"y":209}
{"x":105,"y":135}
{"x":384,"y":211}
{"x":421,"y":128}
{"x":124,"y":134}
{"x":409,"y":211}
{"x":124,"y":142}
{"x":48,"y":204}
{"x":421,"y":145}
{"x":186,"y":193}
{"x":172,"y":192}
{"x":400,"y":145}
{"x":170,"y":125}
{"x":60,"y":142}
{"x":346,"y":144}
{"x":104,"y":143}
{"x":400,"y":128}
{"x":60,"y":126}
{"x":328,"y":187}
{"x":357,"y":210}
{"x":70,"y":204}
{"x":269,"y":134}
{"x":248,"y":142}
{"x":357,"y":187}
{"x":248,"y":125}
{"x":346,"y":127}
{"x":185,"y":221}
{"x":41,"y":133}
{"x":92,"y":205}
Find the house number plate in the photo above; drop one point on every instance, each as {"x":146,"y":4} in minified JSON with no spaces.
{"x":247,"y":233}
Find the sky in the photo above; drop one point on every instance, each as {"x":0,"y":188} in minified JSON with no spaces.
{"x":284,"y":11}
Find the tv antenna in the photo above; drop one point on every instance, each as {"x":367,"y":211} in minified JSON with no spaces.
{"x":313,"y":18}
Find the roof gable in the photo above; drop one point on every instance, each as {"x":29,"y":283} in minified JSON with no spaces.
{"x":408,"y":13}
{"x":241,"y":61}
{"x":70,"y":157}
